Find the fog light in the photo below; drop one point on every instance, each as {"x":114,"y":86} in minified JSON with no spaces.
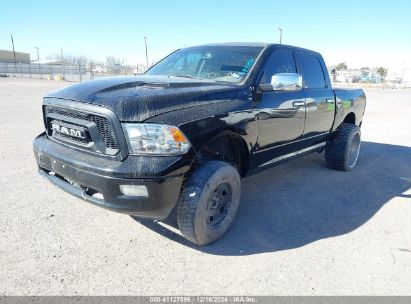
{"x":134,"y":190}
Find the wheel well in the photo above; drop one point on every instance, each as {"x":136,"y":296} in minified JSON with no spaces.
{"x":228,"y":147}
{"x":350,"y":118}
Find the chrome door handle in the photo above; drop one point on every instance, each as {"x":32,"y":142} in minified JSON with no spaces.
{"x":298,"y":103}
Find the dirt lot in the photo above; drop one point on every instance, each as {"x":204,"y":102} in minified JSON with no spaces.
{"x":302,"y":229}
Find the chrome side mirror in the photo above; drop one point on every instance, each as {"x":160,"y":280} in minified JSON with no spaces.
{"x":284,"y":82}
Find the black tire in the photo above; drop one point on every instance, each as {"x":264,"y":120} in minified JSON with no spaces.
{"x":208,"y":202}
{"x":341,"y":152}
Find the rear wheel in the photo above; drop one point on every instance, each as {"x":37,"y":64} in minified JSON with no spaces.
{"x":341,"y":153}
{"x":208,"y":202}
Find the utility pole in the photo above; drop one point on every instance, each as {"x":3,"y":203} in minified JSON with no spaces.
{"x":62,"y":61}
{"x":14,"y":54}
{"x":38,"y":60}
{"x":145,"y":42}
{"x":281,"y":34}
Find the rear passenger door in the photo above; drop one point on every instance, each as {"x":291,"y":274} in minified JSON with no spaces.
{"x":319,"y":96}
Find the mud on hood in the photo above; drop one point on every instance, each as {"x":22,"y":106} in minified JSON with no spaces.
{"x":138,"y":98}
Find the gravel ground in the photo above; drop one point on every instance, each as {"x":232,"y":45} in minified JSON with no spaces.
{"x":302,"y":229}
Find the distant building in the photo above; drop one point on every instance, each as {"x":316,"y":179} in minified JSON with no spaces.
{"x":8,"y":57}
{"x":347,"y":75}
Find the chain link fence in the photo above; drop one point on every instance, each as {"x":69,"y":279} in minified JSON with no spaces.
{"x":73,"y":73}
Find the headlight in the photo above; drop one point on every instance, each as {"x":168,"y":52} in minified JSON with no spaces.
{"x":155,"y":139}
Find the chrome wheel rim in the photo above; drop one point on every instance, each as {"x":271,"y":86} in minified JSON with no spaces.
{"x":354,"y":150}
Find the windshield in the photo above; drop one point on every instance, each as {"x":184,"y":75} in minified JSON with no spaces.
{"x":216,"y":63}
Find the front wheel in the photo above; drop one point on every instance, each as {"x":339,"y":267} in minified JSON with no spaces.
{"x":208,"y":202}
{"x":341,"y":152}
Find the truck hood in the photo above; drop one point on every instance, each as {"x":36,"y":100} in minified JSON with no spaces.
{"x":138,"y":98}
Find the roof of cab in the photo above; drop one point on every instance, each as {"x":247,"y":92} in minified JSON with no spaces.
{"x":255,"y":44}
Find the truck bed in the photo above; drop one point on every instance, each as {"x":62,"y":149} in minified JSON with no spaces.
{"x":349,"y":100}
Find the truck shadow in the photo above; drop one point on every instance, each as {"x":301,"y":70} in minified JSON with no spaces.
{"x":302,"y":201}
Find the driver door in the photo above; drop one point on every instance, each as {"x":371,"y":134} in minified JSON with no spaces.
{"x":281,"y":114}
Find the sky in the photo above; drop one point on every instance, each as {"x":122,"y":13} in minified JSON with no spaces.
{"x":360,"y":33}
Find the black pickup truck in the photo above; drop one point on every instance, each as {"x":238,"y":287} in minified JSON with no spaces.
{"x":184,"y":134}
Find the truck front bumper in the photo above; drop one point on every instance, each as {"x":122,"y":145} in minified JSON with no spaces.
{"x":97,"y":180}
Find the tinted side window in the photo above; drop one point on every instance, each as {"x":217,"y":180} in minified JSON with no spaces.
{"x":313,"y":76}
{"x":280,"y":61}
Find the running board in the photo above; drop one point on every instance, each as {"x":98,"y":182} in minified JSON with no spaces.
{"x":296,"y":153}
